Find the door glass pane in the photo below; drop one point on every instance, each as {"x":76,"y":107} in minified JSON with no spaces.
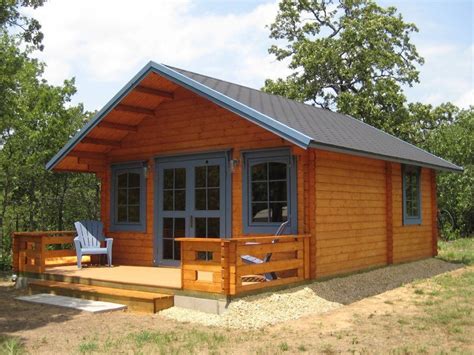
{"x":180,"y":178}
{"x":179,"y":228}
{"x":278,"y":212}
{"x":122,"y":180}
{"x":168,"y":249}
{"x":177,"y":251}
{"x":168,"y":200}
{"x":278,"y":191}
{"x":213,"y":202}
{"x":134,"y":214}
{"x":167,"y":227}
{"x":168,"y":178}
{"x":213,"y":176}
{"x":259,"y":191}
{"x":213,"y":227}
{"x":122,"y":214}
{"x":200,"y":199}
{"x":122,"y":196}
{"x":200,"y":172}
{"x":133,"y":196}
{"x":180,"y":200}
{"x":200,"y":230}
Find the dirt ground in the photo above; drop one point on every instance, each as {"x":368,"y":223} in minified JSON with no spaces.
{"x":401,"y":321}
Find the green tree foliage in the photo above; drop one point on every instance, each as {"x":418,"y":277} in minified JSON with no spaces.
{"x":36,"y":120}
{"x":455,"y":142}
{"x":348,"y":55}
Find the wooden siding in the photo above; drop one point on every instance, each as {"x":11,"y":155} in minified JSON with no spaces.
{"x":412,"y":242}
{"x":189,"y":124}
{"x":350,"y":213}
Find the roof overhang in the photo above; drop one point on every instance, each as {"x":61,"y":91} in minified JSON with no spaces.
{"x":234,"y":106}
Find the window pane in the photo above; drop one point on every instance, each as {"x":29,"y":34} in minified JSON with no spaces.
{"x":259,"y":212}
{"x":200,"y":227}
{"x":200,"y":199}
{"x":278,"y":212}
{"x":179,"y":200}
{"x":278,"y":191}
{"x":213,"y":227}
{"x":213,"y":176}
{"x":259,"y":172}
{"x":167,"y":227}
{"x":180,"y":178}
{"x":122,"y":197}
{"x":259,"y":191}
{"x":168,"y":178}
{"x":134,"y":214}
{"x":167,"y":248}
{"x":122,"y":214}
{"x":213,"y":199}
{"x":168,"y":200}
{"x":122,"y":180}
{"x":134,"y":196}
{"x":179,"y":228}
{"x":277,"y":171}
{"x":133,"y":180}
{"x":200,"y":172}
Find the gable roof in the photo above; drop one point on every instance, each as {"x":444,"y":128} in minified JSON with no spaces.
{"x":304,"y":125}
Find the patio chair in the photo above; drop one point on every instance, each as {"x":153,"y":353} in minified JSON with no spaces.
{"x":249,"y":259}
{"x":90,"y":234}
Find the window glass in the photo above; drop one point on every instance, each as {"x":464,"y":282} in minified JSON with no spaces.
{"x":411,"y":195}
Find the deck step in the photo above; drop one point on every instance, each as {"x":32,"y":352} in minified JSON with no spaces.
{"x":135,"y":300}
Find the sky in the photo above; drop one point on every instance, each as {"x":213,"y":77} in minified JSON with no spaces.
{"x":103,"y":44}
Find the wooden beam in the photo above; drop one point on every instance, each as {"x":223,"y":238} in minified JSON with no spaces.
{"x":88,"y":155}
{"x":99,"y":141}
{"x":434,"y":214}
{"x":135,"y":109}
{"x":389,"y":211}
{"x":89,"y":161}
{"x":118,"y":126}
{"x":155,"y":92}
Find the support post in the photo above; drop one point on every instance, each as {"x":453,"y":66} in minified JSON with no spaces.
{"x":389,"y":211}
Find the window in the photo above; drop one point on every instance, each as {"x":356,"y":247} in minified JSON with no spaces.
{"x":411,"y":195}
{"x":269,"y":191}
{"x":128,"y":202}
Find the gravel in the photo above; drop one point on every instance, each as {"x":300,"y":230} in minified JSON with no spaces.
{"x":258,"y":311}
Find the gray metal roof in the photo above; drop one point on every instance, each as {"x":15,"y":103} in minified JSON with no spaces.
{"x":301,"y":124}
{"x":327,"y":129}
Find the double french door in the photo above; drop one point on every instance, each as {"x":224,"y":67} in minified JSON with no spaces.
{"x":191,"y":203}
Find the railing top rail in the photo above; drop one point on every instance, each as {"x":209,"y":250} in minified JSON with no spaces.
{"x":42,"y":233}
{"x":245,"y":238}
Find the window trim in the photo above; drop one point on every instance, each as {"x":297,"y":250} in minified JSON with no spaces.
{"x":411,"y":220}
{"x":116,"y":169}
{"x":272,"y":155}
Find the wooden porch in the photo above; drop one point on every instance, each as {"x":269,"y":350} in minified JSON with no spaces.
{"x":210,"y":267}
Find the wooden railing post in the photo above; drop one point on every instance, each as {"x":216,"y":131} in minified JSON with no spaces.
{"x":225,"y":270}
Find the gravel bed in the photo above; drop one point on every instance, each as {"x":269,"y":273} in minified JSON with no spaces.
{"x":258,"y":311}
{"x":355,"y":287}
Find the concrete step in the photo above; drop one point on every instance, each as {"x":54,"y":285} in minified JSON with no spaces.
{"x":139,"y":301}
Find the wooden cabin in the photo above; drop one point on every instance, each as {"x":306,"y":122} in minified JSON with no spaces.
{"x":196,"y":172}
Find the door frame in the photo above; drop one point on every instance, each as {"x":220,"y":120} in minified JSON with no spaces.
{"x":226,"y":155}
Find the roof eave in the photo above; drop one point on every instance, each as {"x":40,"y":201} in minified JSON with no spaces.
{"x":238,"y":108}
{"x":338,"y":149}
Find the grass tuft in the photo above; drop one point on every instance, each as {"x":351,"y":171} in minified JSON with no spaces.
{"x":11,"y":346}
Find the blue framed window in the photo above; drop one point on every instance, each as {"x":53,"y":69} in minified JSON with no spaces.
{"x":411,"y":194}
{"x":269,"y":191}
{"x":128,"y":197}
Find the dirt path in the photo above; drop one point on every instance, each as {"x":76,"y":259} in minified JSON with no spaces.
{"x":394,"y":321}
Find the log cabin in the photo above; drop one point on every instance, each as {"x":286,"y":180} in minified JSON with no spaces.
{"x":197,"y":172}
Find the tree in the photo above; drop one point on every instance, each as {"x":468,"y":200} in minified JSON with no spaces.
{"x":28,"y":28}
{"x":348,"y":55}
{"x":455,"y":142}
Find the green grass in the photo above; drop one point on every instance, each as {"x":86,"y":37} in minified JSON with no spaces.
{"x":457,"y":251}
{"x":88,"y":347}
{"x":11,"y":346}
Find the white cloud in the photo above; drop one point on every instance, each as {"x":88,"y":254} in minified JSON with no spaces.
{"x":104,"y":43}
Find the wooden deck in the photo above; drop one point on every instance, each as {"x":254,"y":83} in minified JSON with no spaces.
{"x":139,"y":275}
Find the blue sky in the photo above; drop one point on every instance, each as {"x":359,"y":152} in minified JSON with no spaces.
{"x":104,"y":43}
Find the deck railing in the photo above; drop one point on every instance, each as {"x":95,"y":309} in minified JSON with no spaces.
{"x":217,"y":266}
{"x":33,"y":251}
